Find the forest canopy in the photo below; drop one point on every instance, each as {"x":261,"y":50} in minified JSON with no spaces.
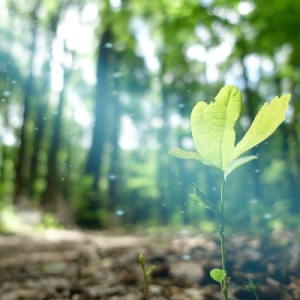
{"x":94,"y":93}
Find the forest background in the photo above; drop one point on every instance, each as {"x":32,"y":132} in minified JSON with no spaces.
{"x":93,"y":93}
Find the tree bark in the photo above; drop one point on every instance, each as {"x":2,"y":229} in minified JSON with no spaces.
{"x":23,"y":164}
{"x":42,"y":109}
{"x":95,"y":156}
{"x":294,"y":208}
{"x":251,"y":107}
{"x":114,"y":166}
{"x":49,"y":199}
{"x":94,"y":203}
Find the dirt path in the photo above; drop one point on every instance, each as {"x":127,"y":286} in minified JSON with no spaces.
{"x":82,"y":266}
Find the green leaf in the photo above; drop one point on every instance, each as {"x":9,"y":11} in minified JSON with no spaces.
{"x":218,"y":275}
{"x":213,"y":130}
{"x":180,"y":153}
{"x":202,"y":199}
{"x":237,"y":163}
{"x":265,"y":123}
{"x":253,"y":285}
{"x":202,"y":203}
{"x":193,"y":196}
{"x":150,"y":270}
{"x":212,"y":127}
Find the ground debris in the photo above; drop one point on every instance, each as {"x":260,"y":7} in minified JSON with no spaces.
{"x":89,"y":266}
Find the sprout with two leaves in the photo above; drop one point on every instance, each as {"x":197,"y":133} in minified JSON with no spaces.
{"x":214,"y":136}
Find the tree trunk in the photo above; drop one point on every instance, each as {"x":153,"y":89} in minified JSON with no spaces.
{"x":42,"y":109}
{"x":290,"y":154}
{"x":39,"y":135}
{"x":251,"y":107}
{"x":295,"y":155}
{"x":114,"y":166}
{"x":23,"y":164}
{"x":49,"y":199}
{"x":94,"y":203}
{"x":95,"y":156}
{"x":164,"y":203}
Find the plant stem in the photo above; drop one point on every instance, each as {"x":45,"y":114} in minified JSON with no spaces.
{"x":256,"y":297}
{"x":221,"y":227}
{"x":222,"y":238}
{"x":146,"y":288}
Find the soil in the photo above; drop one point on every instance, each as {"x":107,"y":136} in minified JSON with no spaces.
{"x":104,"y":265}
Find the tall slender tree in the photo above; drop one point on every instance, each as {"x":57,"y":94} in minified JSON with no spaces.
{"x":42,"y":103}
{"x":103,"y":95}
{"x":49,"y":200}
{"x":23,"y":164}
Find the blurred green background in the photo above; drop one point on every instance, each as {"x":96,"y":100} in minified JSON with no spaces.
{"x":94,"y":92}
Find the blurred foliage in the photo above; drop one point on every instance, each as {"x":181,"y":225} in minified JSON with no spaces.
{"x":160,"y":59}
{"x":12,"y":221}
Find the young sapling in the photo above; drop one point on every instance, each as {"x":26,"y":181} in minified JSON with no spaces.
{"x":252,"y":285}
{"x":213,"y":133}
{"x":146,"y":274}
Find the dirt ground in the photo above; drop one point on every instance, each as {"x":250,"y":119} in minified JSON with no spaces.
{"x":104,"y":265}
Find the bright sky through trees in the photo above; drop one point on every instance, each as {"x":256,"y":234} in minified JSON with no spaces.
{"x":77,"y":31}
